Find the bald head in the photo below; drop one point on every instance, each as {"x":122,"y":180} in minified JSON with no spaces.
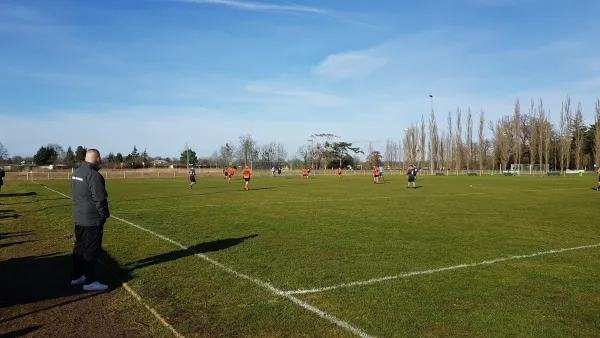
{"x":92,"y":156}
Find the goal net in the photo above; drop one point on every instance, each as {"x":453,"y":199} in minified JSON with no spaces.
{"x":529,"y":169}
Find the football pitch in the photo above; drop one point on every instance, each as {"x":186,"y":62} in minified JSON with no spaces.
{"x":343,"y":257}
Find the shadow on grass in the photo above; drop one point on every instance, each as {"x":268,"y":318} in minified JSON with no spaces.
{"x":31,"y":193}
{"x":193,"y":250}
{"x":595,"y":189}
{"x":267,"y":188}
{"x":46,"y":279}
{"x":21,"y":332}
{"x":4,"y":235}
{"x":38,"y":200}
{"x":6,"y":245}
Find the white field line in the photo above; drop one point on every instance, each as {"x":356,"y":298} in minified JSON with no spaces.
{"x":135,"y":295}
{"x":432,"y":271}
{"x":295,"y":300}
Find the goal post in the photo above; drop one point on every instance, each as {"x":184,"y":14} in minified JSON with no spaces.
{"x":529,"y":169}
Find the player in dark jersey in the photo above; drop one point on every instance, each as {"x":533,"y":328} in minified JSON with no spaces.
{"x":412,"y":176}
{"x":192,"y":173}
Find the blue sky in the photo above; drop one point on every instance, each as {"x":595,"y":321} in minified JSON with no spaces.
{"x":113,"y":74}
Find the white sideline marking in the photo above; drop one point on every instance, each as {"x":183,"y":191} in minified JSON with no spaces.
{"x":295,"y":300}
{"x":428,"y":272}
{"x":156,"y":314}
{"x":135,"y":295}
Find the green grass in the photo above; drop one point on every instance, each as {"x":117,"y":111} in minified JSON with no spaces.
{"x":327,"y":230}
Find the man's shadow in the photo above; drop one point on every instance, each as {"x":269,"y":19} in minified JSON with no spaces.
{"x":32,"y":193}
{"x":201,"y":248}
{"x":46,"y":279}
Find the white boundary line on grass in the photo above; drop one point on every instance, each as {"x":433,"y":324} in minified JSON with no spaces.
{"x":133,"y":293}
{"x":432,"y":271}
{"x":295,"y":300}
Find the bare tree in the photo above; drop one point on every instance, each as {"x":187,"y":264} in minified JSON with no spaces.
{"x":469,"y":138}
{"x":545,"y":135}
{"x":410,"y":144}
{"x":534,"y":130}
{"x":597,"y":132}
{"x":433,"y":140}
{"x":565,"y":134}
{"x":459,"y":144}
{"x":449,"y":143}
{"x":578,"y":130}
{"x":3,"y":152}
{"x":504,"y":137}
{"x":481,"y":140}
{"x":516,"y":143}
{"x":422,"y":142}
{"x":246,"y":149}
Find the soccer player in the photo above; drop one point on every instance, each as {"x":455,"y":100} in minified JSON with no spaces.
{"x":381,"y":173}
{"x":279,"y":171}
{"x":308,"y":171}
{"x":230,"y":172}
{"x":192,"y":177}
{"x":412,"y":176}
{"x":304,"y":173}
{"x":273,"y":171}
{"x":340,"y":172}
{"x":376,"y":172}
{"x":225,"y":175}
{"x":247,"y":173}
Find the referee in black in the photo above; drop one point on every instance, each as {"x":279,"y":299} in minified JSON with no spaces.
{"x":90,"y":212}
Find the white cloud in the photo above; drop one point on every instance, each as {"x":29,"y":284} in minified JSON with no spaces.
{"x":350,"y":65}
{"x":281,"y":94}
{"x":258,"y":6}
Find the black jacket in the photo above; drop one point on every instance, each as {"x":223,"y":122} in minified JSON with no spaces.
{"x":90,"y":200}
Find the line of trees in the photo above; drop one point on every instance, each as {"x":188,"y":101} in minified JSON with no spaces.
{"x":522,"y":137}
{"x":528,"y":138}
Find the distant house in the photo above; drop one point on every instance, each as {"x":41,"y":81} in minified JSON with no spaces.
{"x":160,"y":163}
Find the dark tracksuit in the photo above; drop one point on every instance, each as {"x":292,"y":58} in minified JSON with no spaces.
{"x":412,"y":175}
{"x":90,"y":212}
{"x":1,"y":177}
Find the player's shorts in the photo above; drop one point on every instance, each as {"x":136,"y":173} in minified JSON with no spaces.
{"x":411,"y":178}
{"x":247,"y":179}
{"x":376,"y":175}
{"x":193,"y":178}
{"x":229,"y":176}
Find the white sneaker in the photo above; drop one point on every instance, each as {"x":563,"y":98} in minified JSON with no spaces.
{"x":95,"y":286}
{"x":78,"y":281}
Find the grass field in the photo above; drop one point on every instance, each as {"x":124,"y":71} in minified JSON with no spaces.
{"x":310,"y":258}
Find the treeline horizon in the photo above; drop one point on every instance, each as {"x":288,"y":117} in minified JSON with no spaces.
{"x":527,"y":136}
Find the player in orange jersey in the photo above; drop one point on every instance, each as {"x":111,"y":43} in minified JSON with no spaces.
{"x":304,"y":173}
{"x":247,"y":173}
{"x":340,"y":172}
{"x":230,"y":173}
{"x":376,"y":172}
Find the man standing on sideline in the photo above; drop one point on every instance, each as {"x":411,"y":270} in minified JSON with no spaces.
{"x":90,"y":212}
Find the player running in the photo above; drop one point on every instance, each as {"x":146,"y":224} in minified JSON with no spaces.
{"x":246,"y":173}
{"x":304,"y":173}
{"x":192,"y":173}
{"x":229,"y":174}
{"x":412,"y":176}
{"x":376,"y":172}
{"x":340,"y":172}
